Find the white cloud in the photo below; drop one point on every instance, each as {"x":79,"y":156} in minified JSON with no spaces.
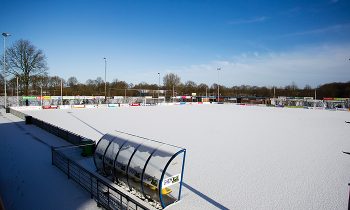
{"x":312,"y":65}
{"x":328,"y":29}
{"x":249,"y":20}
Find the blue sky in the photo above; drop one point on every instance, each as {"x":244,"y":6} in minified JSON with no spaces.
{"x":254,"y":42}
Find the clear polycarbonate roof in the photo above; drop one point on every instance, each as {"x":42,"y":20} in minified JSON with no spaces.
{"x":150,"y":167}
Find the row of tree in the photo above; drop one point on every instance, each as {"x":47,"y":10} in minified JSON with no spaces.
{"x":28,"y":65}
{"x":51,"y":85}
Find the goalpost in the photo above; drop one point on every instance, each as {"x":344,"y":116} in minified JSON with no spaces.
{"x":149,"y":101}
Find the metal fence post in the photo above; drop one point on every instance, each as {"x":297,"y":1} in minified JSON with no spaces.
{"x":121,"y":201}
{"x":349,"y":197}
{"x":52,"y":153}
{"x":91,"y":186}
{"x":108,"y":197}
{"x":98,"y":194}
{"x":68,"y":168}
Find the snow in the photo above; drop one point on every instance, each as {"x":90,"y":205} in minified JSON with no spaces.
{"x":238,"y":157}
{"x":27,"y":178}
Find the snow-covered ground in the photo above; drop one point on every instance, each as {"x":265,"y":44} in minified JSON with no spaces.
{"x":238,"y":157}
{"x":27,"y":178}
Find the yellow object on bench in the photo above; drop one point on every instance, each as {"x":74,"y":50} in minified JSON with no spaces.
{"x":166,"y":191}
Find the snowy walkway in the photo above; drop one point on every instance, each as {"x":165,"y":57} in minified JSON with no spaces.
{"x":27,"y":178}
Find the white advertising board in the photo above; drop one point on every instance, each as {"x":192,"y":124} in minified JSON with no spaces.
{"x":171,"y":180}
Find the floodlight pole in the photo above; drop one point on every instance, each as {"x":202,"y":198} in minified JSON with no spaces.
{"x":4,"y":67}
{"x":315,"y":93}
{"x":41,"y":95}
{"x":206,"y":93}
{"x":17,"y":92}
{"x":61,"y":91}
{"x":158,"y":85}
{"x":218,"y":84}
{"x":105,"y":79}
{"x":315,"y":97}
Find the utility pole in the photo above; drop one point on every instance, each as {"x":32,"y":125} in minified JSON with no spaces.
{"x":206,"y":93}
{"x":105,"y":80}
{"x":5,"y":35}
{"x":218,"y":85}
{"x":17,"y":92}
{"x":41,"y":95}
{"x":158,"y":85}
{"x":125,"y":95}
{"x":315,"y":93}
{"x":61,"y":91}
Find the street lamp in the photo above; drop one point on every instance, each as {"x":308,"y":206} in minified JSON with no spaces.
{"x":315,"y":93}
{"x":61,"y":91}
{"x":5,"y":35}
{"x":41,"y":95}
{"x":218,"y":84}
{"x":105,"y":79}
{"x":17,"y":92}
{"x":158,"y":85}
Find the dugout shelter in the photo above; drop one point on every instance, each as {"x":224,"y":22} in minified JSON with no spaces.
{"x":150,"y":167}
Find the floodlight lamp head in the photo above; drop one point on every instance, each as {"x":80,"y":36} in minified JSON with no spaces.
{"x":6,"y":34}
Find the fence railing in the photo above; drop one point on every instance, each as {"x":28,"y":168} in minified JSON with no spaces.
{"x":105,"y":194}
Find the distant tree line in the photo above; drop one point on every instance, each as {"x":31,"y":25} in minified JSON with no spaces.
{"x":28,"y":64}
{"x":51,"y":85}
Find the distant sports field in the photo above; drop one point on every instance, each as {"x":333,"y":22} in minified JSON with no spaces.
{"x":238,"y":157}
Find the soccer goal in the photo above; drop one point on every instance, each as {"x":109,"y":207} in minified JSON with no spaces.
{"x":149,"y":101}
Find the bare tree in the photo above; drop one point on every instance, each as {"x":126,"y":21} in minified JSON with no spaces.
{"x":72,"y":81}
{"x":55,"y":84}
{"x":38,"y":81}
{"x":25,"y":60}
{"x":55,"y":81}
{"x":307,"y":87}
{"x":190,"y":87}
{"x":90,"y":82}
{"x":202,"y":89}
{"x":170,"y":80}
{"x":99,"y":81}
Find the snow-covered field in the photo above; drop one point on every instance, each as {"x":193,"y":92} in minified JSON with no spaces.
{"x":238,"y":157}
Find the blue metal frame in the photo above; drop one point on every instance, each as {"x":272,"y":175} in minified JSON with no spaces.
{"x":95,"y":152}
{"x":127,"y":167}
{"x":116,"y":156}
{"x":104,"y":155}
{"x":144,"y":169}
{"x":163,"y":173}
{"x":182,"y":173}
